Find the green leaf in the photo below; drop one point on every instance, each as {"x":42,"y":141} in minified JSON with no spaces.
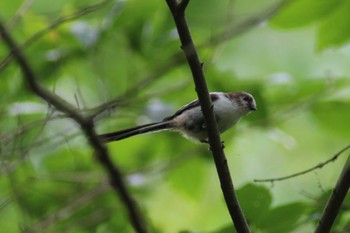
{"x":9,"y":215}
{"x":190,"y":178}
{"x":335,"y":30}
{"x":333,"y":116}
{"x":227,"y":229}
{"x":282,"y":218}
{"x":319,"y":204}
{"x":302,"y":12}
{"x":255,"y":201}
{"x":11,"y":8}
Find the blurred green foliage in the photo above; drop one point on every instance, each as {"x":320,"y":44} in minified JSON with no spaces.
{"x":294,"y":60}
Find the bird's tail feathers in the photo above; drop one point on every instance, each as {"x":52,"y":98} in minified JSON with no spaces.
{"x":142,"y":129}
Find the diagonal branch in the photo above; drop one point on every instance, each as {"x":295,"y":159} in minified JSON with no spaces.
{"x":87,"y":127}
{"x":318,"y":166}
{"x":335,"y":201}
{"x":187,"y":45}
{"x":68,"y":209}
{"x":19,"y":13}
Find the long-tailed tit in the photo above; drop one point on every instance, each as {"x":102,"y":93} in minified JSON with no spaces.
{"x":228,"y":109}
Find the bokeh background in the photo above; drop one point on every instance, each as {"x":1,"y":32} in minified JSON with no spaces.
{"x":121,"y":61}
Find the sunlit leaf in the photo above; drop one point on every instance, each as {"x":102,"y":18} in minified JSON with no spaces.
{"x":190,"y":178}
{"x":333,"y":116}
{"x":255,"y":201}
{"x":333,"y":31}
{"x":303,"y":12}
{"x":227,"y":229}
{"x":128,"y":53}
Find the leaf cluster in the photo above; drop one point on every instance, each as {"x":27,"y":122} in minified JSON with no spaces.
{"x":120,"y":62}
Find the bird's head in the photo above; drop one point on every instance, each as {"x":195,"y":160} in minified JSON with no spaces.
{"x":244,"y":101}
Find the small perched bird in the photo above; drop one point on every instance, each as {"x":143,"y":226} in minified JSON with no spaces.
{"x":228,"y":109}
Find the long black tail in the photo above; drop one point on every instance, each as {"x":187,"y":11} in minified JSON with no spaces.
{"x":119,"y":135}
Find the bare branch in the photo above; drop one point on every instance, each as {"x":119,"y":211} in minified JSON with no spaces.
{"x":68,"y":209}
{"x":318,"y":166}
{"x":87,"y":127}
{"x":182,"y":5}
{"x":158,"y":72}
{"x":335,"y":201}
{"x":206,"y":105}
{"x":177,"y":58}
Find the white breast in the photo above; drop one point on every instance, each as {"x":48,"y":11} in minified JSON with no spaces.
{"x":226,"y":112}
{"x":191,"y":123}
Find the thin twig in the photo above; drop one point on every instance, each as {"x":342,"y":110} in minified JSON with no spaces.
{"x":68,"y":209}
{"x":177,"y":58}
{"x":86,"y":125}
{"x":246,"y":24}
{"x":178,"y":12}
{"x":158,"y":72}
{"x":318,"y":166}
{"x":335,"y":201}
{"x":20,"y":12}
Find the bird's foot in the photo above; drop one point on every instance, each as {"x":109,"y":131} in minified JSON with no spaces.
{"x":207,"y":142}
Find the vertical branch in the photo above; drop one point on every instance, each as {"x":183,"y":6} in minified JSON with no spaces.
{"x":335,"y":201}
{"x":87,"y":127}
{"x":177,"y":9}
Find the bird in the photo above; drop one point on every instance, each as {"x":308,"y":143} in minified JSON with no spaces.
{"x":228,"y":108}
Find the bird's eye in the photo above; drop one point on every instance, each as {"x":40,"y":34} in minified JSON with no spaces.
{"x":246,"y":98}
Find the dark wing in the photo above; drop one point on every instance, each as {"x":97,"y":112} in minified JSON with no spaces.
{"x":193,"y":104}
